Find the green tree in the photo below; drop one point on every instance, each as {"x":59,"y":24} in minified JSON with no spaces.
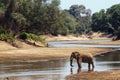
{"x":10,"y":9}
{"x":12,"y":21}
{"x":69,"y":21}
{"x":4,"y":4}
{"x":114,"y":19}
{"x":107,"y":21}
{"x":20,"y":22}
{"x":83,"y":18}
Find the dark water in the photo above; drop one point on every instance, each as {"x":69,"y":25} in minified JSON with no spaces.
{"x":54,"y":69}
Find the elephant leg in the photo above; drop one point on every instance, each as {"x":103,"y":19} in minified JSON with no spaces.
{"x":92,"y":65}
{"x":89,"y":66}
{"x":79,"y":62}
{"x":71,"y":60}
{"x":71,"y":63}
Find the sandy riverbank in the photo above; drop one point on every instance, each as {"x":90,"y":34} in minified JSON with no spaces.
{"x":103,"y":75}
{"x":46,"y":53}
{"x":26,"y":51}
{"x":95,"y":36}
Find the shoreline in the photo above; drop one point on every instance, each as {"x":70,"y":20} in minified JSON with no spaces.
{"x":28,"y":52}
{"x":95,"y":75}
{"x":47,"y":53}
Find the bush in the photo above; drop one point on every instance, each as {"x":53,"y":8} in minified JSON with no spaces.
{"x":31,"y":36}
{"x":2,"y":30}
{"x":6,"y":36}
{"x":23,"y":36}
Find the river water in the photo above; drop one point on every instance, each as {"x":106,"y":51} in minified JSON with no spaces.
{"x":79,"y":43}
{"x":54,"y":69}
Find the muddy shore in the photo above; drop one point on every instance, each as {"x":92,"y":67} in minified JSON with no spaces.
{"x":103,"y":75}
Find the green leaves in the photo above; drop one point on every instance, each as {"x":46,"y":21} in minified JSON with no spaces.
{"x":5,"y":35}
{"x":31,"y":36}
{"x":107,"y":21}
{"x":20,"y":20}
{"x":83,"y":18}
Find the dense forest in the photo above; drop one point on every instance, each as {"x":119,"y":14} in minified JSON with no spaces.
{"x":31,"y":18}
{"x":107,"y":21}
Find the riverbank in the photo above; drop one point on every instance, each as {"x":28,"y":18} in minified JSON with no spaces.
{"x":95,"y":36}
{"x":102,"y":75}
{"x":46,"y":53}
{"x":27,"y":51}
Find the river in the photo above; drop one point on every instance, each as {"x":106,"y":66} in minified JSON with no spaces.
{"x":79,"y":43}
{"x":54,"y":69}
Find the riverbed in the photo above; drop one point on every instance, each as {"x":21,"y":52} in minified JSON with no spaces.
{"x":54,"y":69}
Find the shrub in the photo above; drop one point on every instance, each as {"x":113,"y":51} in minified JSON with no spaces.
{"x":23,"y":36}
{"x":31,"y":36}
{"x":6,"y":36}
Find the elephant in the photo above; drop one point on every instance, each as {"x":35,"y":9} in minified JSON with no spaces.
{"x":85,"y":58}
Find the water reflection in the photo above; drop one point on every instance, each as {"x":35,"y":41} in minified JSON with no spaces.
{"x":110,"y":56}
{"x":54,"y":69}
{"x":110,"y":60}
{"x":79,"y":70}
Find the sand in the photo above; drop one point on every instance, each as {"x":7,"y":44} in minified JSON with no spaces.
{"x":103,"y":75}
{"x":76,"y":37}
{"x":45,"y":53}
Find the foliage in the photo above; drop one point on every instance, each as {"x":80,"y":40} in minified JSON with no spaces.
{"x":100,"y":21}
{"x":69,"y":22}
{"x":6,"y":36}
{"x":45,"y":17}
{"x":3,"y":4}
{"x":19,"y":21}
{"x":83,"y":18}
{"x":107,"y":21}
{"x":30,"y":36}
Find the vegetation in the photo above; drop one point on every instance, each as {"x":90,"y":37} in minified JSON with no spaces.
{"x":83,"y":18}
{"x":107,"y":21}
{"x":36,"y":17}
{"x":30,"y":36}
